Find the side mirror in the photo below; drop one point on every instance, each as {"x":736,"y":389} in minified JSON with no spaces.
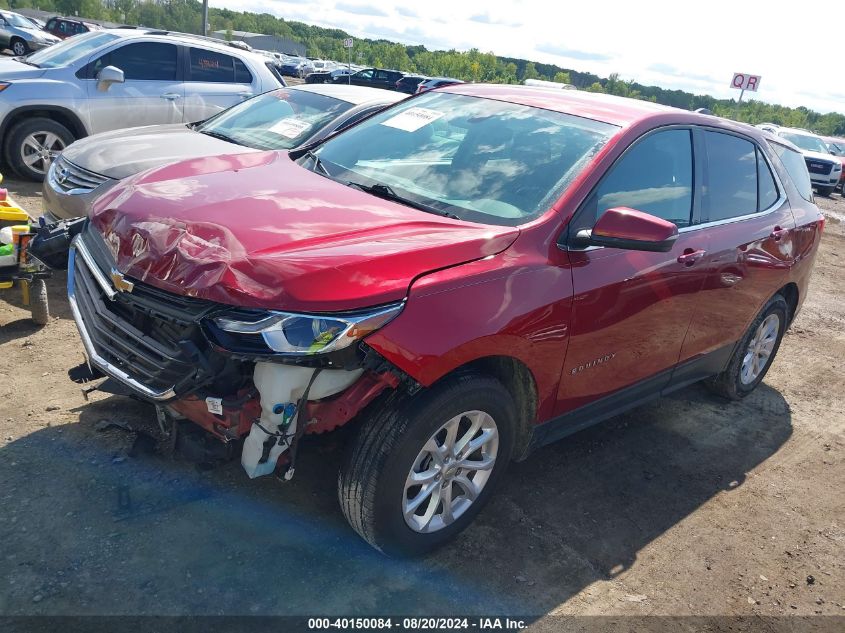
{"x":630,"y":229}
{"x":108,"y":76}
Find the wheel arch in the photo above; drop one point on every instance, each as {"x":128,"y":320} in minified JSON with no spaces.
{"x":520,"y":383}
{"x":792,"y":296}
{"x":57,"y":113}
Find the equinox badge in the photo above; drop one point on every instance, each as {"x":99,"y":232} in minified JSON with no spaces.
{"x":121,"y":283}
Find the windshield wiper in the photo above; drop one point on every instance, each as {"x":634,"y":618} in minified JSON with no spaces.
{"x":219,"y":135}
{"x":318,"y":163}
{"x":23,"y":60}
{"x":387,"y":193}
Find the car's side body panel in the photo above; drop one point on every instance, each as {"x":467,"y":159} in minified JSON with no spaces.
{"x":514,"y":304}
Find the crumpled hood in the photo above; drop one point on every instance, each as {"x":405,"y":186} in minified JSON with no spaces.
{"x":11,"y":70}
{"x":258,"y":230}
{"x":122,"y":153}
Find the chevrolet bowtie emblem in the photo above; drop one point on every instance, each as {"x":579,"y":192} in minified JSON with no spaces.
{"x":121,"y":283}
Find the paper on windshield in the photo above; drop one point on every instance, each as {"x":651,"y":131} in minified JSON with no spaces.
{"x":290,"y":128}
{"x":413,"y":119}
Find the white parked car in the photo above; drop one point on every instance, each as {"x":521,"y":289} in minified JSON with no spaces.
{"x":113,"y":79}
{"x":825,"y":169}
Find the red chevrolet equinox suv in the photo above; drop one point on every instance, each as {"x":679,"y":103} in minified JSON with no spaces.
{"x":462,"y":278}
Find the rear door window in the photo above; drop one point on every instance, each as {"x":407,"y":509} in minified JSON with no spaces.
{"x":731,"y":189}
{"x":211,"y":66}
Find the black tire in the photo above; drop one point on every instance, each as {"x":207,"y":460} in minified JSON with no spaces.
{"x":372,"y":479}
{"x":826,"y":191}
{"x":15,"y":149}
{"x":38,"y":304}
{"x":729,"y":383}
{"x":19,"y":47}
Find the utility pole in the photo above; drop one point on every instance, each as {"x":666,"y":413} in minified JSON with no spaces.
{"x":205,"y":17}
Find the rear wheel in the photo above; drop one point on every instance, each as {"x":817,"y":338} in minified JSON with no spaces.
{"x":421,"y":468}
{"x":19,"y":47}
{"x":755,"y":352}
{"x":33,"y":144}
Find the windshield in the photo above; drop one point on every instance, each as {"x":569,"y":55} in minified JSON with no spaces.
{"x":478,"y":159}
{"x":16,"y":20}
{"x":806,"y":142}
{"x":281,"y":119}
{"x":70,"y":50}
{"x":837,"y":148}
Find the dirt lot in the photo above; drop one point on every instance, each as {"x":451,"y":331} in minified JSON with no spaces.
{"x":689,"y":505}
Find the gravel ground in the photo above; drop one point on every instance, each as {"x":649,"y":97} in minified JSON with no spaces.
{"x":687,"y":506}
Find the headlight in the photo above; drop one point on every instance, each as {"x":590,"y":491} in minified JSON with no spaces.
{"x":301,"y":334}
{"x":4,"y":85}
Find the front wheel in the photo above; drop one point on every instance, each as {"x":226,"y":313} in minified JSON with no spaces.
{"x":755,"y":352}
{"x":19,"y":47}
{"x":826,"y":191}
{"x":421,"y":468}
{"x":33,"y":144}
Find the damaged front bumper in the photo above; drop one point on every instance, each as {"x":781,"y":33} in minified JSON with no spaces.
{"x":158,"y":345}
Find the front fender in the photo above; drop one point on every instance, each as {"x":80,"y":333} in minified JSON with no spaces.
{"x":490,"y":307}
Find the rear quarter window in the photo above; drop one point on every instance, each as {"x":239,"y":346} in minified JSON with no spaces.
{"x":796,"y":167}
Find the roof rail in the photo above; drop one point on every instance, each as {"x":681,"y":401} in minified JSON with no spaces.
{"x":204,"y":38}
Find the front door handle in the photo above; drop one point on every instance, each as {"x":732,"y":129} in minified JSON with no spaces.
{"x":171,"y":96}
{"x":777,"y":234}
{"x":690,"y":256}
{"x":246,"y":95}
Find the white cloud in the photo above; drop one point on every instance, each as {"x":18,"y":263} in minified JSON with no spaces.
{"x":675,"y":45}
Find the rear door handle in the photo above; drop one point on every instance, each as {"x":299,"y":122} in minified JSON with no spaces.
{"x":171,"y":96}
{"x":777,"y":233}
{"x":690,"y":256}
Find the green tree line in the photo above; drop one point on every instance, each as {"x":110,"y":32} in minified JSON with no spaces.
{"x":472,"y":65}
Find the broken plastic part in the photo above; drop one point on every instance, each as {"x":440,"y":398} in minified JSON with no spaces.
{"x":269,"y":436}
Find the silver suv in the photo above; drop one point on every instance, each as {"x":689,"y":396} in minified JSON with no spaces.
{"x":107,"y":80}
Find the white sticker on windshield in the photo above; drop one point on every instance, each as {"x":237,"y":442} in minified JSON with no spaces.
{"x":290,"y":128}
{"x":413,"y":119}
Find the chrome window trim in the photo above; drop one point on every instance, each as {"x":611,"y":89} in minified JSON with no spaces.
{"x":740,"y":218}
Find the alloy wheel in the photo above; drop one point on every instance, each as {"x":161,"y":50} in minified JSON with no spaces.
{"x":39,"y":149}
{"x":760,"y":349}
{"x":19,"y":48}
{"x":450,"y":471}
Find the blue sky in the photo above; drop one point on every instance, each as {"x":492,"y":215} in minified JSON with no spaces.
{"x":678,"y":45}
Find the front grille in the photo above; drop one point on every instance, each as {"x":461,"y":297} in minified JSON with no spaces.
{"x":69,"y":178}
{"x":151,"y":337}
{"x":816,"y":166}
